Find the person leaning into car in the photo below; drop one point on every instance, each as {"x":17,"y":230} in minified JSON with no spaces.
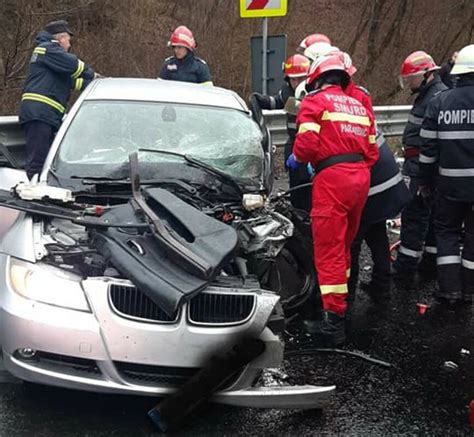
{"x":52,"y":73}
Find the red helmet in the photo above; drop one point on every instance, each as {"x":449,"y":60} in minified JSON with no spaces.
{"x":296,"y":66}
{"x":417,"y":63}
{"x":331,"y":62}
{"x":182,"y":36}
{"x":313,"y":39}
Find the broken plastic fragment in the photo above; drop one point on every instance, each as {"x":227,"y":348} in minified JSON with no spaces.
{"x":450,"y":366}
{"x":422,"y":307}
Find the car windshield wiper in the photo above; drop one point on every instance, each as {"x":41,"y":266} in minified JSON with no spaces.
{"x":199,"y":164}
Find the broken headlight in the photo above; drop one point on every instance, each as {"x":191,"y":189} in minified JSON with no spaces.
{"x":47,"y":284}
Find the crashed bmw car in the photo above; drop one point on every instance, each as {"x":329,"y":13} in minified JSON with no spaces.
{"x":150,"y":242}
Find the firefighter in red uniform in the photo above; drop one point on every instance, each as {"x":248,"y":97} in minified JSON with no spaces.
{"x":336,"y":135}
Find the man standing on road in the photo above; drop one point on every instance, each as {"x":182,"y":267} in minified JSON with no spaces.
{"x":448,"y":156}
{"x":52,"y":73}
{"x":335,"y":134}
{"x":295,"y":71}
{"x":418,"y":74}
{"x":184,"y":66}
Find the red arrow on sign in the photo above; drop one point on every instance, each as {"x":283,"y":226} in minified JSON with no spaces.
{"x":257,"y":4}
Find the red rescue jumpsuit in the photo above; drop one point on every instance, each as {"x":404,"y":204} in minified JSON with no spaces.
{"x":332,"y":123}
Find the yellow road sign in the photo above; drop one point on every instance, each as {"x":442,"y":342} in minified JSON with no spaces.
{"x":263,"y":8}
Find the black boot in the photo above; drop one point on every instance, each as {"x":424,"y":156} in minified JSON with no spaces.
{"x":330,"y":329}
{"x":378,"y":293}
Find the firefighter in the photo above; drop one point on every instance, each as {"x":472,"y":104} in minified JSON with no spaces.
{"x":445,"y":71}
{"x":312,"y":39}
{"x":335,"y":135}
{"x":296,"y":70}
{"x":52,"y":73}
{"x":387,"y":196}
{"x":418,"y":74}
{"x":447,"y":160}
{"x":184,"y":66}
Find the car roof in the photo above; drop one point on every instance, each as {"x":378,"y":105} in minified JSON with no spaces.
{"x":158,"y":90}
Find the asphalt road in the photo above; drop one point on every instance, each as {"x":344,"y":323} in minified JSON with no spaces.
{"x":417,"y":396}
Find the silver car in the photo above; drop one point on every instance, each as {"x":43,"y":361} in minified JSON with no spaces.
{"x":148,"y":244}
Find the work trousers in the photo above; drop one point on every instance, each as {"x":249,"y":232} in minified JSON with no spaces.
{"x":39,"y":137}
{"x":455,"y":270}
{"x":339,"y":195}
{"x":416,"y":234}
{"x":375,"y":235}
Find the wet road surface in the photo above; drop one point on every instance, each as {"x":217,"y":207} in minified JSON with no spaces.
{"x":416,"y":396}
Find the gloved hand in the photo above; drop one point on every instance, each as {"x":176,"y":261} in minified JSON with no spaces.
{"x":310,"y":170}
{"x":292,"y":163}
{"x":260,"y":98}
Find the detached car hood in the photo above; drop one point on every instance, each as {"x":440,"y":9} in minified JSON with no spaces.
{"x":170,"y":252}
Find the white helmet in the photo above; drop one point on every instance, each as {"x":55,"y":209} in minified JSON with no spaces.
{"x":300,"y":91}
{"x":464,"y":63}
{"x":316,"y":50}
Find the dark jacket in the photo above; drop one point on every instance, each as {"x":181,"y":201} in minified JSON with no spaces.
{"x":447,"y":132}
{"x":188,"y":69}
{"x":411,"y":135}
{"x":388,"y":193}
{"x":445,"y":74}
{"x":52,"y":74}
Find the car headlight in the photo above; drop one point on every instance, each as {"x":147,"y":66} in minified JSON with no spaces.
{"x":47,"y":284}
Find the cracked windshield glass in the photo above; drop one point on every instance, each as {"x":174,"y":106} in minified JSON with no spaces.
{"x":105,"y":133}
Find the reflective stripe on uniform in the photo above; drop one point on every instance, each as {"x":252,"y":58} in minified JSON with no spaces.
{"x":431,"y":249}
{"x":40,"y":50}
{"x":272,"y":102}
{"x":427,"y":159}
{"x":342,"y":116}
{"x":372,"y":139}
{"x":339,"y":289}
{"x":450,"y":259}
{"x":208,"y":83}
{"x":43,"y":99}
{"x":380,"y":141}
{"x":431,"y":134}
{"x":456,"y":135}
{"x":79,"y":69}
{"x":467,"y":264}
{"x":414,"y":119}
{"x":386,"y":185}
{"x":305,"y":127}
{"x":456,"y":172}
{"x":409,"y":252}
{"x":78,"y":84}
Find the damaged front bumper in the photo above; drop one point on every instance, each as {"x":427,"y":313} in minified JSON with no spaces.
{"x":102,"y":350}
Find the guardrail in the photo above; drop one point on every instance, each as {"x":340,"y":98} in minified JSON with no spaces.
{"x":390,"y":119}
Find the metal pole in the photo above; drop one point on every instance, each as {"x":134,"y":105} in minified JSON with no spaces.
{"x":264,"y":55}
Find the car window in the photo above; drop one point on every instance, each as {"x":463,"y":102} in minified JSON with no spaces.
{"x":105,"y":132}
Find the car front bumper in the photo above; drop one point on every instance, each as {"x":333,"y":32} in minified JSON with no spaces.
{"x":100,"y":350}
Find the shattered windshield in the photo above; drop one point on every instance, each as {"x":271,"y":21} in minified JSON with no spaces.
{"x":103,"y":134}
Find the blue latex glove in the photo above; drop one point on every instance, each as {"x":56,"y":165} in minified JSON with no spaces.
{"x":310,"y":170}
{"x":292,"y":163}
